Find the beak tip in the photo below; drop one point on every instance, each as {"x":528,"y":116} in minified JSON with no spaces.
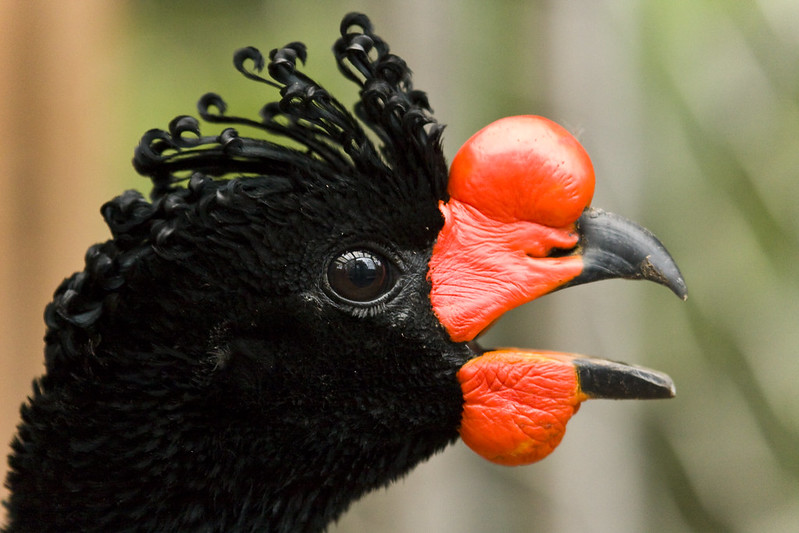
{"x":678,"y":287}
{"x":668,"y":274}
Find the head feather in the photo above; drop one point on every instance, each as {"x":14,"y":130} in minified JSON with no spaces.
{"x":335,"y":147}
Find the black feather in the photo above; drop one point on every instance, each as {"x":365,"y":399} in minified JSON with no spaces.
{"x":335,"y":143}
{"x":200,"y":376}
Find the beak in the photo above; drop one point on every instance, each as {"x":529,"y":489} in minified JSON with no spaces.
{"x":517,"y":402}
{"x":612,"y":246}
{"x":482,"y":267}
{"x":609,"y":380}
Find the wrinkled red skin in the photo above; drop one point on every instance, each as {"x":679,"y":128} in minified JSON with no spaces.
{"x":516,"y":189}
{"x":482,"y":267}
{"x":517,"y":404}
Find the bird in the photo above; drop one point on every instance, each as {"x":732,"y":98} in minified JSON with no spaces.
{"x":291,"y":320}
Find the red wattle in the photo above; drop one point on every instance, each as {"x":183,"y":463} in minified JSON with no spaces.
{"x":517,"y":404}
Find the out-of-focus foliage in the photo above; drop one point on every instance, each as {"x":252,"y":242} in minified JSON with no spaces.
{"x":722,"y":84}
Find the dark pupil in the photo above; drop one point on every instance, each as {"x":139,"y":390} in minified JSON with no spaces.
{"x":360,"y":276}
{"x":363,"y":271}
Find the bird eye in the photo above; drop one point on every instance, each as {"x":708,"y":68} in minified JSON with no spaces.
{"x":360,"y":276}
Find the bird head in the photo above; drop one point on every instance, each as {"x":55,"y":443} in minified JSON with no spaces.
{"x":291,"y":320}
{"x":378,"y":267}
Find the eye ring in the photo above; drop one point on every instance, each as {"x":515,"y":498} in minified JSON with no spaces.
{"x":360,"y":276}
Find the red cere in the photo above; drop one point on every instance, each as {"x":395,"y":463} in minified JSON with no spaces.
{"x":524,"y":168}
{"x":517,"y":404}
{"x":482,"y":267}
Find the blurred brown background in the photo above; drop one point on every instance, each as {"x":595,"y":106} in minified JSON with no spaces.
{"x":690,"y":111}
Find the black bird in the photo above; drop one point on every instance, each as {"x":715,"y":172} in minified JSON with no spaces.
{"x":290,"y":322}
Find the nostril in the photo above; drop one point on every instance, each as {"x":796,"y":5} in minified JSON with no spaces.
{"x":562,"y":252}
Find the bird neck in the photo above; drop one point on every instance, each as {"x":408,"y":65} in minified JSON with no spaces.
{"x":212,"y":456}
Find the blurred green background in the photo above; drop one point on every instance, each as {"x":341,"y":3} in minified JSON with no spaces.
{"x":690,"y":111}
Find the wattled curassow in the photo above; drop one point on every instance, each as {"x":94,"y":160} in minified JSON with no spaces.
{"x":290,"y":322}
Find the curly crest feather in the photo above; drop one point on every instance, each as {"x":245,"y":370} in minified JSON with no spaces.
{"x":337,"y":149}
